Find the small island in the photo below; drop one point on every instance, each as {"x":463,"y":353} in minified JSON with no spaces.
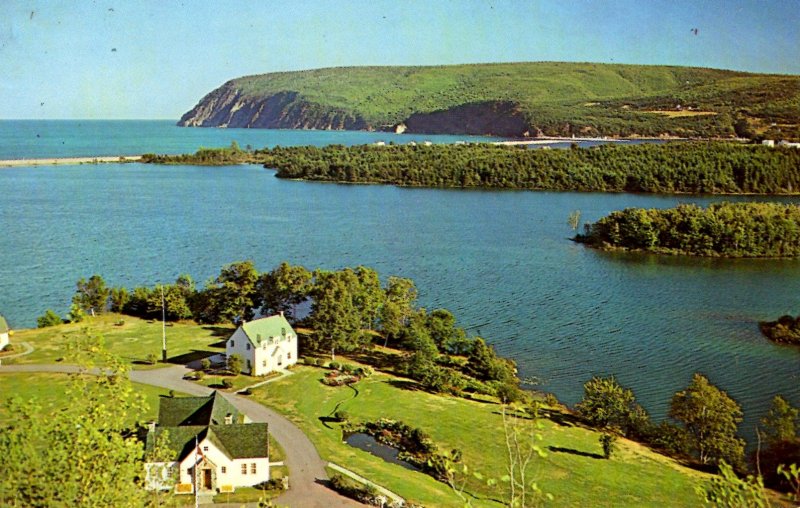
{"x":736,"y":230}
{"x":786,"y":330}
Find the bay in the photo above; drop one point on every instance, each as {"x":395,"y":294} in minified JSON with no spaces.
{"x":500,"y":260}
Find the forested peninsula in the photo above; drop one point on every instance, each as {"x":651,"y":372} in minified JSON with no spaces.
{"x":512,"y":100}
{"x":725,"y":229}
{"x":690,"y":168}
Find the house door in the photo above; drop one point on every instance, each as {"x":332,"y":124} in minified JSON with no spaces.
{"x":207,"y":479}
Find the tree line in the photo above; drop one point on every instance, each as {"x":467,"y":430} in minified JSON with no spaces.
{"x":690,"y":167}
{"x":702,"y":427}
{"x":722,"y":229}
{"x":350,"y":311}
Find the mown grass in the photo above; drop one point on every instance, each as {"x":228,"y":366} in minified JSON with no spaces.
{"x":50,"y":392}
{"x":131,"y":339}
{"x":576,"y":474}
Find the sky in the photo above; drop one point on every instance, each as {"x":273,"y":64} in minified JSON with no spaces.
{"x":128,"y":59}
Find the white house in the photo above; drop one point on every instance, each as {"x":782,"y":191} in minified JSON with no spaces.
{"x":210,"y":447}
{"x":265,"y":345}
{"x":3,"y":333}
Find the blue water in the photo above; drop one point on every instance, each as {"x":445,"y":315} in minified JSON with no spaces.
{"x":30,"y":139}
{"x":499,"y":260}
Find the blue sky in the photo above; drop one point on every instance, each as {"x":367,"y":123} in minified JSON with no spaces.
{"x":156,"y":59}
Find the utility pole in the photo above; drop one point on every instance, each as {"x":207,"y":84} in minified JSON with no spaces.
{"x":163,"y":328}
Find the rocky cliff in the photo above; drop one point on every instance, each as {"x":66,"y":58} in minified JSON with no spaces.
{"x":510,"y":99}
{"x":227,"y":106}
{"x":486,"y":118}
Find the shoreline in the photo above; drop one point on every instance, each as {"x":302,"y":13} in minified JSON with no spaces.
{"x":55,"y":161}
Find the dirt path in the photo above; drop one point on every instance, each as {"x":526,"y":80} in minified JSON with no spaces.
{"x":306,"y":469}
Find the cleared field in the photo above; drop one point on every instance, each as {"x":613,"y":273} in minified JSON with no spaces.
{"x":574,"y":471}
{"x":130,"y":338}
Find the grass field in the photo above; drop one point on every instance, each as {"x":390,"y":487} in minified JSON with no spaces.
{"x":574,"y":471}
{"x":133,"y":340}
{"x":50,"y":389}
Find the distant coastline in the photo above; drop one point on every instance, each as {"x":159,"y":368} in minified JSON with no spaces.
{"x":55,"y":161}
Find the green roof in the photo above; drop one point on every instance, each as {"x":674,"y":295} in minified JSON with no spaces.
{"x":237,"y":441}
{"x":3,"y":325}
{"x":187,"y":420}
{"x":188,"y":411}
{"x":273,"y":326}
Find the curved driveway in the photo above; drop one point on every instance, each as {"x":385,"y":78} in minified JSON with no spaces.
{"x":307,"y":469}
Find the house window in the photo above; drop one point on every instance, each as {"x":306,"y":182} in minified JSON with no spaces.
{"x":264,"y":345}
{"x":244,"y":468}
{"x":224,"y":469}
{"x":289,"y":355}
{"x":248,"y":346}
{"x":249,"y":366}
{"x":263,"y":363}
{"x":232,"y":343}
{"x":253,"y":468}
{"x":205,"y":448}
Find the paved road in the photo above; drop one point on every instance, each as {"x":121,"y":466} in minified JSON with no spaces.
{"x":306,"y":468}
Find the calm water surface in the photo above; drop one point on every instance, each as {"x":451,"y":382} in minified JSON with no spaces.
{"x":498,"y":259}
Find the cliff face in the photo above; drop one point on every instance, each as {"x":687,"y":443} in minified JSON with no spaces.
{"x":486,"y":118}
{"x":228,"y":107}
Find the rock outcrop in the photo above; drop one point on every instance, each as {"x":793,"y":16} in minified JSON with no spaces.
{"x":485,"y":118}
{"x":227,"y":106}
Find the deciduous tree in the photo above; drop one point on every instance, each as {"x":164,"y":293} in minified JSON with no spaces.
{"x":711,"y":418}
{"x":81,"y":453}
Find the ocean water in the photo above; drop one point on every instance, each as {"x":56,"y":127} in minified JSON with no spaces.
{"x":500,"y":260}
{"x":30,"y":139}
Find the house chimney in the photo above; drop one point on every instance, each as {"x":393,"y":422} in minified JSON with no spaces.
{"x":281,"y":313}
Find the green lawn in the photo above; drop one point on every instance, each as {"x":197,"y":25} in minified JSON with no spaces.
{"x":50,"y":390}
{"x":575,"y":475}
{"x":132,"y":341}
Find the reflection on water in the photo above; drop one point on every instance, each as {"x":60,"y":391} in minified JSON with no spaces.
{"x":369,"y":444}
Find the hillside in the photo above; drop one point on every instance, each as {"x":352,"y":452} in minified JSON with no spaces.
{"x":543,"y":98}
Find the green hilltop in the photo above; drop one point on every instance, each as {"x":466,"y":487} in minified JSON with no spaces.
{"x":542,"y":98}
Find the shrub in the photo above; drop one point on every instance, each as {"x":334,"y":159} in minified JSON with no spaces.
{"x":234,"y":364}
{"x":199,"y":375}
{"x":49,"y":318}
{"x":364,"y":371}
{"x":608,"y":441}
{"x":334,"y":365}
{"x":205,"y":364}
{"x":8,"y":348}
{"x":227,"y":384}
{"x":152,"y":359}
{"x":551,"y":400}
{"x":347,"y":368}
{"x":341,"y":416}
{"x":509,"y":393}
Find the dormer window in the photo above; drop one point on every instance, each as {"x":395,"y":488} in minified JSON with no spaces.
{"x":228,"y":419}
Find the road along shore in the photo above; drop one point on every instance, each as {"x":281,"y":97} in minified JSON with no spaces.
{"x":13,"y":163}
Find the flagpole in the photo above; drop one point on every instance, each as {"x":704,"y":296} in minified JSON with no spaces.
{"x":163,"y":328}
{"x":194,"y":475}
